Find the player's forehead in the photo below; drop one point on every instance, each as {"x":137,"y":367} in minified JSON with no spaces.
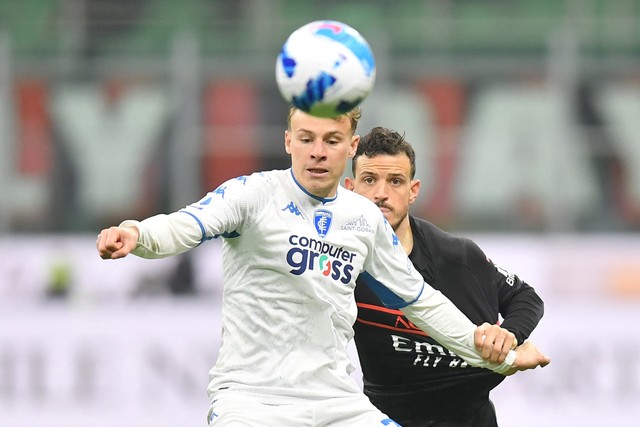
{"x":303,"y":122}
{"x":384,"y":165}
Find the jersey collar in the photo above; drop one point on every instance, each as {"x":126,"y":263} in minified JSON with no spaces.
{"x":313,"y":196}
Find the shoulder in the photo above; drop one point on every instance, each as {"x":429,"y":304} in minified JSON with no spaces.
{"x":263,"y":178}
{"x":357,"y":213}
{"x":356,"y":200}
{"x":257,"y":181}
{"x":244,"y":190}
{"x":348,"y":196}
{"x":356,"y":203}
{"x":443,"y":244}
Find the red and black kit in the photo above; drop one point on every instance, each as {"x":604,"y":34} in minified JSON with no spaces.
{"x":411,"y":377}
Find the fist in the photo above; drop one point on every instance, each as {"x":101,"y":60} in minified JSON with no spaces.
{"x":117,"y":242}
{"x":494,"y":342}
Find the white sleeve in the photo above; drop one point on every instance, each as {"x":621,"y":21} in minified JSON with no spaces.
{"x":391,"y":275}
{"x":221,"y":212}
{"x":436,"y":315}
{"x":165,"y":235}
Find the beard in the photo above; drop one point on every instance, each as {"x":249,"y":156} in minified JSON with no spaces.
{"x":392,"y":217}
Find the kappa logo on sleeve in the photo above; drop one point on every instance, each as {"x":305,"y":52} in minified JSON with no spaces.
{"x":204,"y":202}
{"x":220,"y":190}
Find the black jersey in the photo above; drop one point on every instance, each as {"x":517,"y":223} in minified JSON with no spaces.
{"x":407,"y":374}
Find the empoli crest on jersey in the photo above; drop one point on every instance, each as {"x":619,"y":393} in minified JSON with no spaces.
{"x":322,"y":219}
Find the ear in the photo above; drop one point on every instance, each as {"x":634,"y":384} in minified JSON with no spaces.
{"x":415,"y":189}
{"x":349,"y":183}
{"x":355,"y":139}
{"x":287,"y":142}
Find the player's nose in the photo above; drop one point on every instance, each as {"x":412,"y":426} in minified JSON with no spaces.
{"x":318,"y":149}
{"x":380,"y":191}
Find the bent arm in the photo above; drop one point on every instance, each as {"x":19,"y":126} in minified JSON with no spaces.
{"x":518,"y":303}
{"x":520,"y":306}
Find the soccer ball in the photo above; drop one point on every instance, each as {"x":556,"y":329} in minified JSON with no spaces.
{"x":325,"y":68}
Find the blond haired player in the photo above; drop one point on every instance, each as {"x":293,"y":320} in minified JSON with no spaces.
{"x":291,"y":255}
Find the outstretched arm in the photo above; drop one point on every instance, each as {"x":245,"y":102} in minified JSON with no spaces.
{"x":159,"y":236}
{"x":439,"y":317}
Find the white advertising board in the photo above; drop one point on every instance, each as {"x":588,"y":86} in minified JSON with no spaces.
{"x":114,"y":353}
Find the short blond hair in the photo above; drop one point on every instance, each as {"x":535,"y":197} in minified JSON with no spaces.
{"x":353,"y":115}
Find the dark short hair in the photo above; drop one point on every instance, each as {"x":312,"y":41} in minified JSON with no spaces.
{"x":353,"y":115}
{"x":384,"y":141}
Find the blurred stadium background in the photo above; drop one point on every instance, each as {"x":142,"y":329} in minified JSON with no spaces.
{"x":525,"y":115}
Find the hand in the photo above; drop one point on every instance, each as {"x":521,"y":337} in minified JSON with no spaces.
{"x":528,"y":357}
{"x":494,"y":342}
{"x":117,"y":242}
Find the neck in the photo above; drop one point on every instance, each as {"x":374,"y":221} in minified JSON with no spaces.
{"x":403,"y":231}
{"x":333,"y":193}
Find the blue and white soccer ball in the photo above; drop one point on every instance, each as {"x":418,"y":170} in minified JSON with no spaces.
{"x":325,"y":68}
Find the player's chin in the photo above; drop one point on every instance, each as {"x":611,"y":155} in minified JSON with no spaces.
{"x":321,"y":179}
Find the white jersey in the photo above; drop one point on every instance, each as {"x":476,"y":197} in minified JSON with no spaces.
{"x":290,"y":262}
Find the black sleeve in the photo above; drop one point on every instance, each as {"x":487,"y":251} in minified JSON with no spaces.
{"x":519,"y":305}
